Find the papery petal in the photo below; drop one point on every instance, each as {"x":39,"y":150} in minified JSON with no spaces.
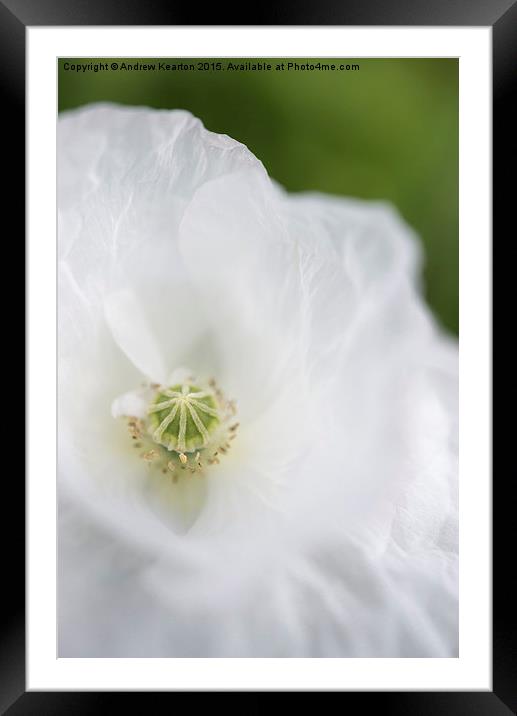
{"x":134,"y":403}
{"x":120,"y":207}
{"x":245,"y":271}
{"x":132,"y":334}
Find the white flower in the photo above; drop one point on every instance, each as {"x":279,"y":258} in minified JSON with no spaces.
{"x":330,"y":526}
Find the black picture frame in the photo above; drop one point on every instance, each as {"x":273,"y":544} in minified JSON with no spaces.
{"x":15,"y":17}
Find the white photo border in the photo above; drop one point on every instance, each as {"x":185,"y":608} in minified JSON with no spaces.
{"x":472,"y":669}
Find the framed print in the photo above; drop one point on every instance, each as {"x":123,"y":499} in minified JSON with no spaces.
{"x":259,"y":303}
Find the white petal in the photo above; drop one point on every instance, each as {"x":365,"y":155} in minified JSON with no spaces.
{"x":131,"y":331}
{"x":246,"y":273}
{"x":181,"y":374}
{"x":125,"y":178}
{"x":134,"y":403}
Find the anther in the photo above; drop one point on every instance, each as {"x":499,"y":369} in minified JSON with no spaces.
{"x":193,"y":422}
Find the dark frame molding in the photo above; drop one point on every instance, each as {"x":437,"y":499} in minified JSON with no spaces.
{"x":501,"y":15}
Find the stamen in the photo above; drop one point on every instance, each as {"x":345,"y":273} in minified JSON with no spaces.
{"x":187,"y":428}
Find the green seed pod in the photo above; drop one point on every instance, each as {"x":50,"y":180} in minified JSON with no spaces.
{"x":183,"y":418}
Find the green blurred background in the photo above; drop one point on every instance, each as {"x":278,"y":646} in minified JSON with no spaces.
{"x":387,"y":131}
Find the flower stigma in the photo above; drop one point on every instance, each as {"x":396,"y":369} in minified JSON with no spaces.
{"x":188,"y":427}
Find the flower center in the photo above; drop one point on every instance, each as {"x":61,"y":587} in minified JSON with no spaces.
{"x":184,"y":417}
{"x":189,"y":425}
